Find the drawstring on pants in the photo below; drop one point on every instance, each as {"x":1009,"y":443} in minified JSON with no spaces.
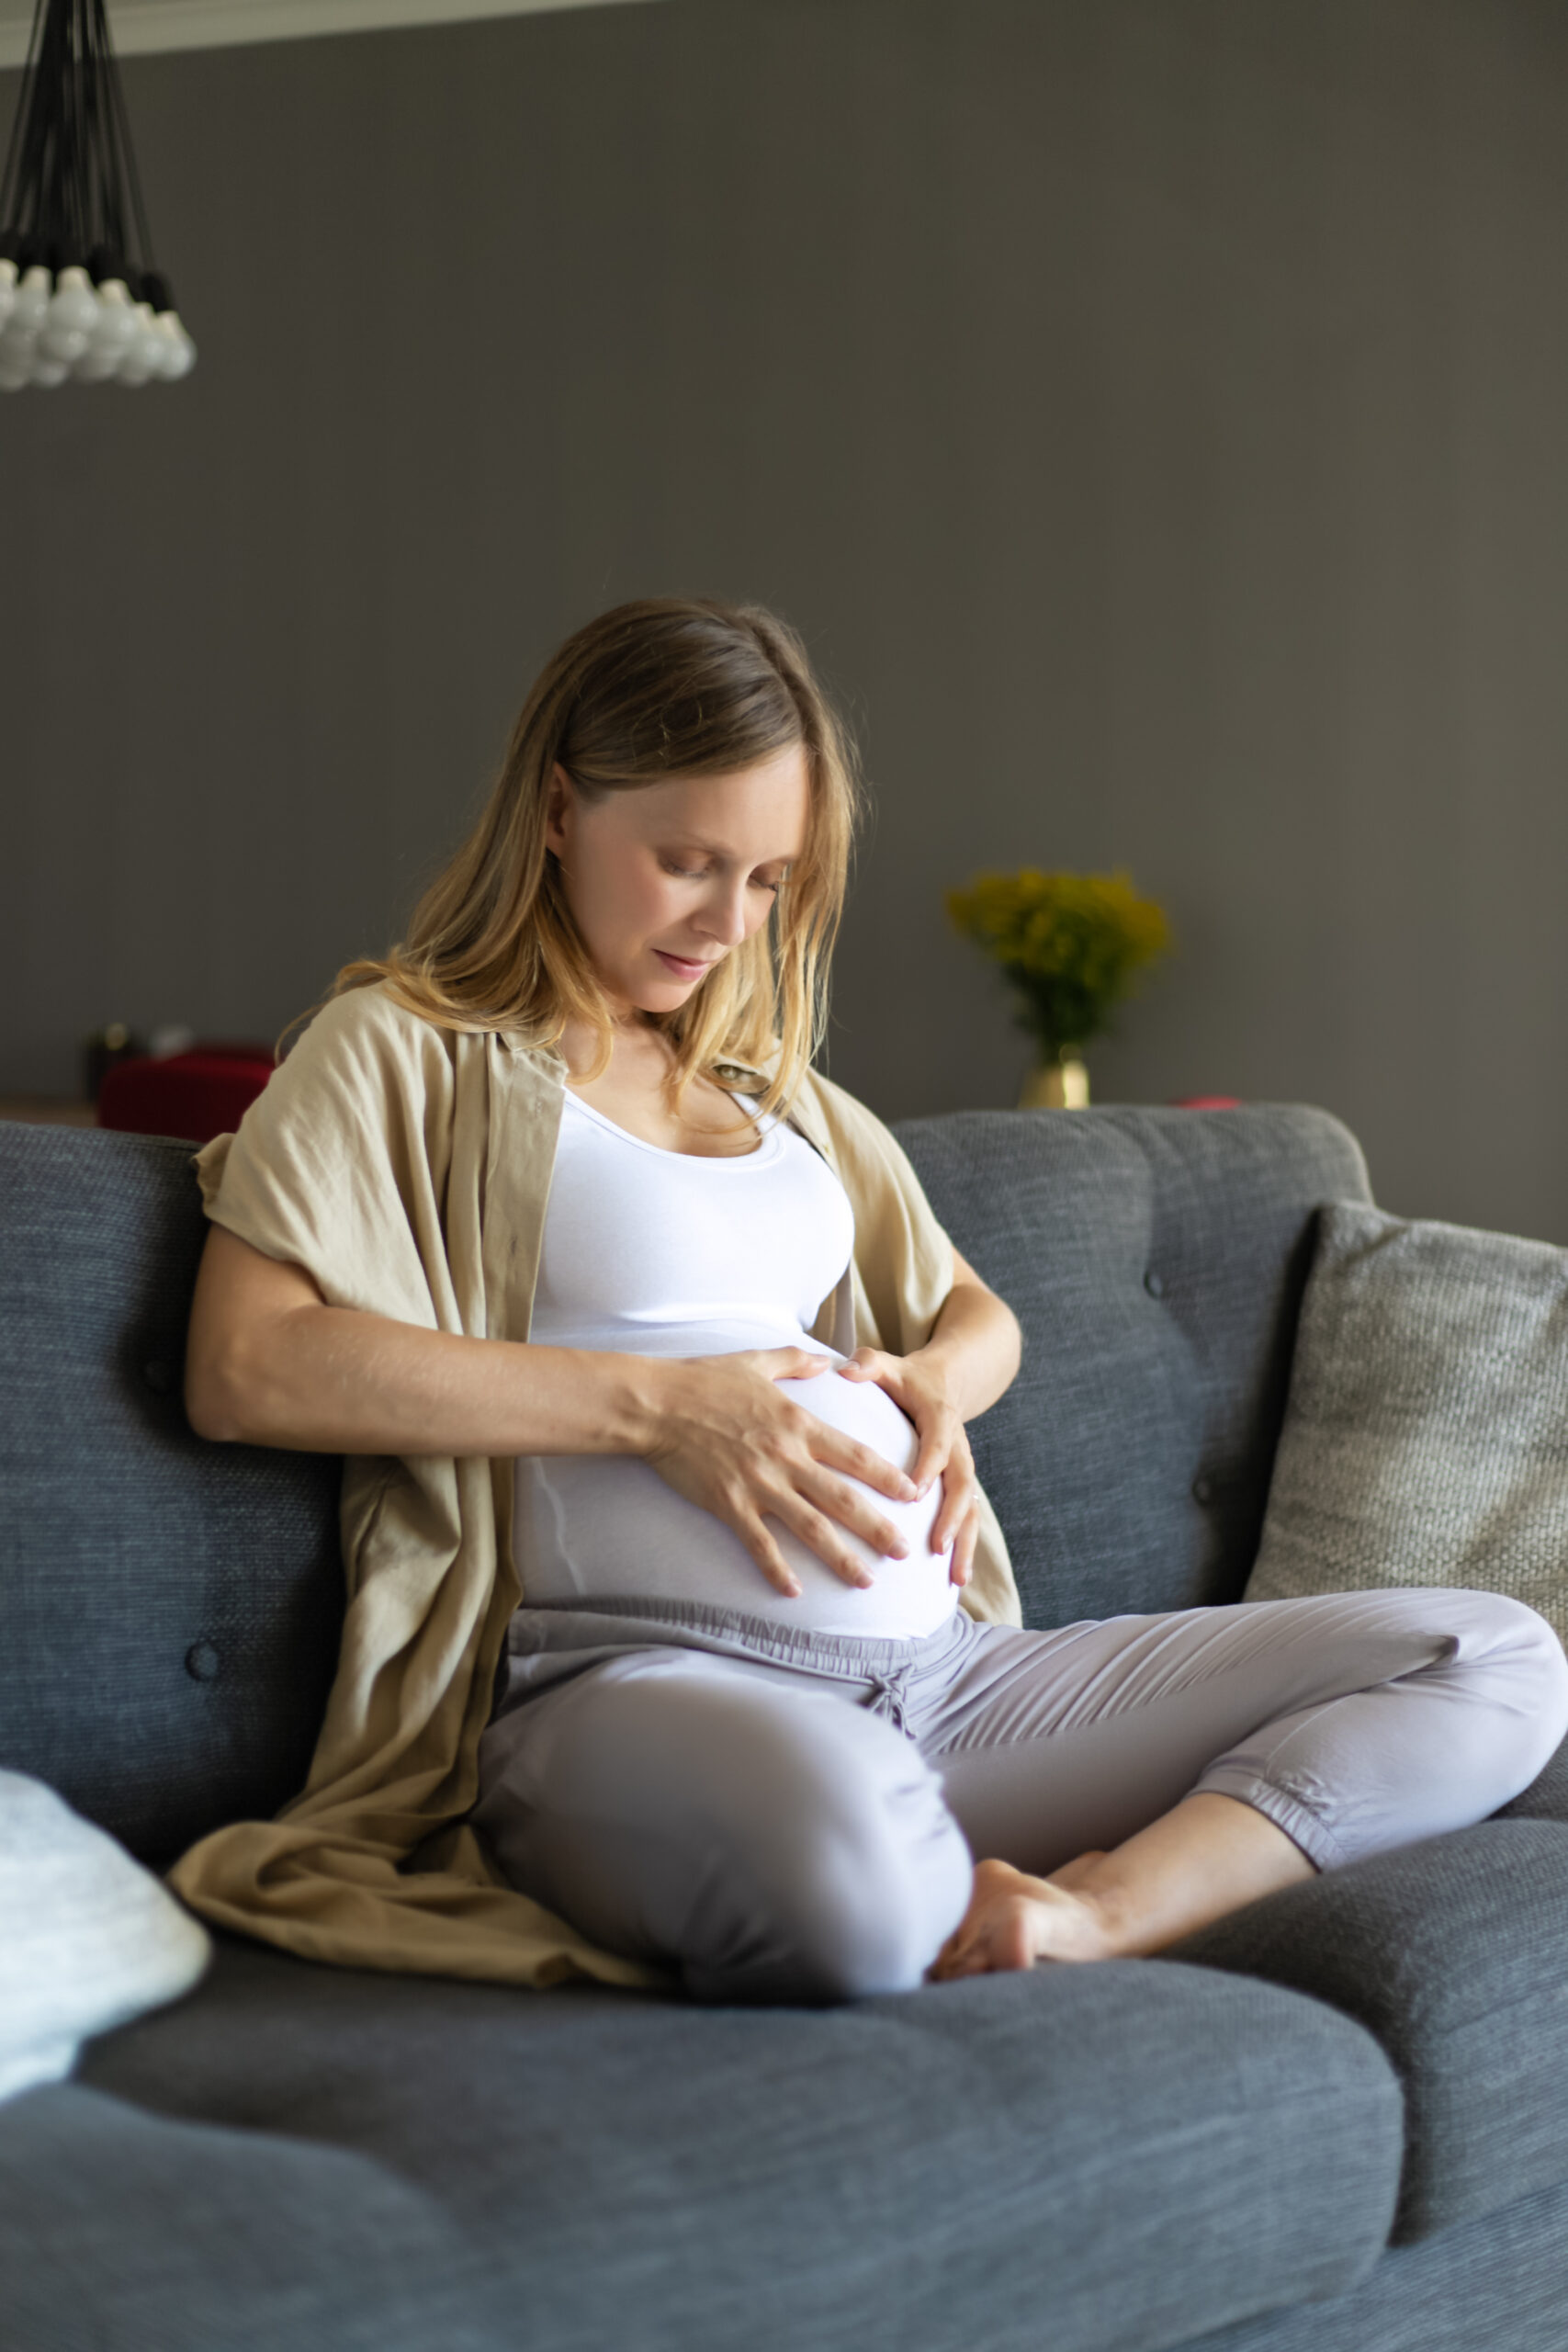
{"x":890,"y":1699}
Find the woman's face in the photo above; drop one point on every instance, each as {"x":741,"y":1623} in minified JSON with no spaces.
{"x":665,"y":879}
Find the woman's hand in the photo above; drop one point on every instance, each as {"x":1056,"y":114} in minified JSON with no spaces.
{"x":918,"y":1386}
{"x":725,"y":1439}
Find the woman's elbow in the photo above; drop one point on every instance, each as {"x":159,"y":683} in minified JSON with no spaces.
{"x":213,"y":1397}
{"x":1007,"y":1331}
{"x":1014,"y":1343}
{"x":226,"y":1385}
{"x":238,"y":1314}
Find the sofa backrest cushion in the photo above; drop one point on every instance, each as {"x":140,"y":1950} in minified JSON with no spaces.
{"x":1156,"y":1261}
{"x":171,"y":1608}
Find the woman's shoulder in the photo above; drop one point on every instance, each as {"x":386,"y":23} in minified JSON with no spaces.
{"x":373,"y":1028}
{"x":371,"y":1058}
{"x":375,"y":1014}
{"x":371,"y":1015}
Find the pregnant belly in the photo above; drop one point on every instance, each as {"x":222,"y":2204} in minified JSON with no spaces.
{"x":607,"y":1527}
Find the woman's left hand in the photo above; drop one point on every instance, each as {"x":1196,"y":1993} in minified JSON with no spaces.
{"x":919,"y":1389}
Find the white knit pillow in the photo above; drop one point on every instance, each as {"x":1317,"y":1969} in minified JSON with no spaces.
{"x":87,"y":1936}
{"x":1426,"y":1434}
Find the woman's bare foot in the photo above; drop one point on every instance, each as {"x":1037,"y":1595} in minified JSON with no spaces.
{"x":1014,"y":1920}
{"x":1204,"y":1859}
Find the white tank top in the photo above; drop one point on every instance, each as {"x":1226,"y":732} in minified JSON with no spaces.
{"x":664,"y":1253}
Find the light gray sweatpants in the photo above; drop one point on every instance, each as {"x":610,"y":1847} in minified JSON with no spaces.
{"x":794,"y":1816}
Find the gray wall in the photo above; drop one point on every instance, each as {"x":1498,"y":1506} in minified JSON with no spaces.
{"x":1152,"y":410}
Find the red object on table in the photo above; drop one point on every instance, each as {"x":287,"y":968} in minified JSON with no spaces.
{"x":1205,"y":1103}
{"x":199,"y":1094}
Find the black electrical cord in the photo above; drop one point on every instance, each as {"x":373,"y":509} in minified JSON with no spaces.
{"x":120,"y":123}
{"x":71,"y":191}
{"x":9,"y":178}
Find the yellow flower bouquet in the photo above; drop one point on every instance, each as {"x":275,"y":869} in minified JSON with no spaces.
{"x":1071,"y":945}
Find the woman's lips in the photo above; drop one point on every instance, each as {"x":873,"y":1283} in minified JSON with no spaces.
{"x":685,"y":968}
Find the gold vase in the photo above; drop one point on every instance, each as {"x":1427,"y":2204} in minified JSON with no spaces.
{"x":1061,"y":1085}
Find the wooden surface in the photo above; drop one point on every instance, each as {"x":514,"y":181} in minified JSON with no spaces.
{"x":42,"y":1111}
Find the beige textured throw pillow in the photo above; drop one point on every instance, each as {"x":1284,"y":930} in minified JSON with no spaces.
{"x":88,"y":1938}
{"x":1426,"y":1434}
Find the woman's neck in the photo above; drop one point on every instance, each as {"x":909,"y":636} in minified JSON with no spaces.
{"x":638,"y":1051}
{"x":634,"y":1092}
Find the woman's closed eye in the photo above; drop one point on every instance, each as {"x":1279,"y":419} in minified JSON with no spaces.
{"x":702,"y":873}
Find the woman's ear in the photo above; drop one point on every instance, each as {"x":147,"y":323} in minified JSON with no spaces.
{"x":559,"y":801}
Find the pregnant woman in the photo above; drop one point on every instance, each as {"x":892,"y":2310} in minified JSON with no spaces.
{"x":681,"y":1638}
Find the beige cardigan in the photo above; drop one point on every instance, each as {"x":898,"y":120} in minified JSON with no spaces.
{"x":407,"y":1169}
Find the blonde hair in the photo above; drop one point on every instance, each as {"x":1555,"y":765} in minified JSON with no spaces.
{"x":665,"y":687}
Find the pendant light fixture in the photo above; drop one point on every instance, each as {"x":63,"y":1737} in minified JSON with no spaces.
{"x":80,"y":299}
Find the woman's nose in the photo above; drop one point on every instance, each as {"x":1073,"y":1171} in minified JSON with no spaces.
{"x":725,"y":916}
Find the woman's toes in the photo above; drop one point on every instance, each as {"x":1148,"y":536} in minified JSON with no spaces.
{"x":1011,"y":1938}
{"x":1014,"y":1920}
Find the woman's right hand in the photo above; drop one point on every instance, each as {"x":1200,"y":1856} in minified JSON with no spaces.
{"x":726,"y":1440}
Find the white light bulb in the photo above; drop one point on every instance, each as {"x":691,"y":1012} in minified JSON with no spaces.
{"x":29,"y":311}
{"x":178,"y":353}
{"x":14,"y":373}
{"x":31,"y":306}
{"x":143,"y":351}
{"x":7,"y":287}
{"x":72,"y":315}
{"x":110,"y":335}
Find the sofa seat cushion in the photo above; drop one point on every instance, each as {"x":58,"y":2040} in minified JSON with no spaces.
{"x":1115,"y":2156}
{"x":1454,"y":1952}
{"x":1499,"y":2284}
{"x":126,"y":2231}
{"x":1546,"y":1799}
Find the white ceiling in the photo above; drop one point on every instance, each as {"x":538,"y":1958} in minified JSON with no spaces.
{"x":215,"y":24}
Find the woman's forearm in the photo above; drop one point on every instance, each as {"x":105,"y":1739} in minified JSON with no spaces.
{"x":976,"y":1345}
{"x":269,"y":1362}
{"x":332,"y":1380}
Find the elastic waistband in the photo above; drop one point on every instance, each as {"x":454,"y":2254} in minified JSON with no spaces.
{"x":698,"y":1624}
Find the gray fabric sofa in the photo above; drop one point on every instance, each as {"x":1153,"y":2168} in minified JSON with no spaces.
{"x":1337,"y":2121}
